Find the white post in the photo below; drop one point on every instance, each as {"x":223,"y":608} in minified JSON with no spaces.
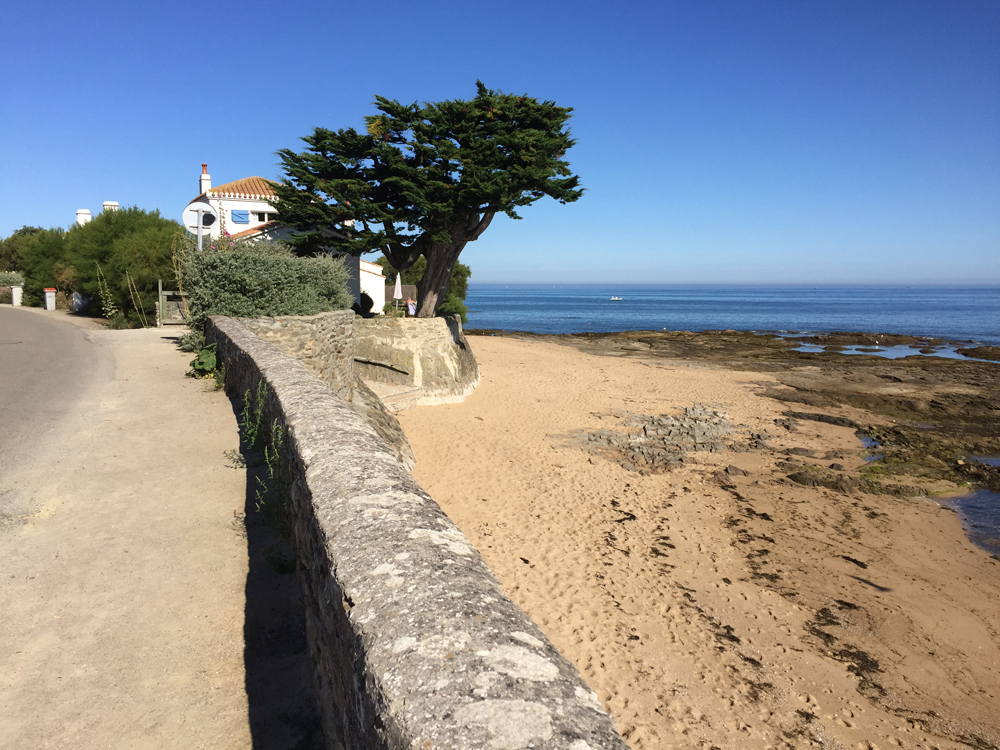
{"x":15,"y":294}
{"x":201,"y":218}
{"x":50,"y":299}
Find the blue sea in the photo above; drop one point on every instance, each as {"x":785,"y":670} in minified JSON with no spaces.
{"x":952,"y":313}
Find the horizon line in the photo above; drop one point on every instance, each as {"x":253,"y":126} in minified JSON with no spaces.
{"x":782,"y":284}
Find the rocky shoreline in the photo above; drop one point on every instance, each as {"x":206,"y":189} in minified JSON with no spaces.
{"x":929,"y":414}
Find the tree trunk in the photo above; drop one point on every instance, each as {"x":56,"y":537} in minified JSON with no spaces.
{"x":441,"y":260}
{"x":434,"y":285}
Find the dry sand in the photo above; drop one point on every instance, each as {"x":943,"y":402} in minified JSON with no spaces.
{"x":763,"y":615}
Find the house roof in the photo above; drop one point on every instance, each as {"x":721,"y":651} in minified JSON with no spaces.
{"x":265,"y":227}
{"x":248,"y":187}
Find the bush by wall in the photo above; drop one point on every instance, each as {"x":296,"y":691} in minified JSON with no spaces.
{"x":246,"y":279}
{"x":10,"y":278}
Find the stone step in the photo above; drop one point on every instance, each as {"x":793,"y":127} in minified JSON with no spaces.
{"x":395,"y":397}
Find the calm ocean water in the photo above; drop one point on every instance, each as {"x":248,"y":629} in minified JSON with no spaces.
{"x":954,"y":313}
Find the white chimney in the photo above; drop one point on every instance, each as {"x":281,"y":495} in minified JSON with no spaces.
{"x":82,"y":216}
{"x":110,"y":206}
{"x":205,"y":182}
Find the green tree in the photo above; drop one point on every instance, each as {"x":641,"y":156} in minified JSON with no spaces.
{"x":41,"y":256}
{"x":130,"y":245}
{"x":11,"y":247}
{"x":424,"y":181}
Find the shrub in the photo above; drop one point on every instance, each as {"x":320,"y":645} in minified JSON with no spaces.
{"x":247,"y":279}
{"x":452,"y":305}
{"x":11,"y":278}
{"x":11,"y":247}
{"x":41,"y":256}
{"x":118,"y":258}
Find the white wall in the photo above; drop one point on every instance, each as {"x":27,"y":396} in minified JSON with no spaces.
{"x":367,"y":277}
{"x":244,"y":204}
{"x":373,"y":283}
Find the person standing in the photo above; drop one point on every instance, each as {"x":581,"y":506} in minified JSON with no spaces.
{"x":411,"y":307}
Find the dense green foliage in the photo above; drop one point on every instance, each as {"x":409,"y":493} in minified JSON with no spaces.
{"x":458,"y":285}
{"x":42,"y":261}
{"x":131,"y":247}
{"x":11,"y":248}
{"x":11,"y":278}
{"x":423,"y":181}
{"x":246,"y":279}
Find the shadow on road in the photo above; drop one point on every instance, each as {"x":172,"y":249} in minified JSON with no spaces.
{"x":283,"y":711}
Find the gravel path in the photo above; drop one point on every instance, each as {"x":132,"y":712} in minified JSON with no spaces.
{"x":123,"y":557}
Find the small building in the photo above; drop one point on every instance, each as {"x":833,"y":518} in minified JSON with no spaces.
{"x":243,"y":207}
{"x":369,"y":278}
{"x":245,"y":212}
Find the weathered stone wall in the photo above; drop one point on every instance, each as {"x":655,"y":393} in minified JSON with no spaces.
{"x":324,"y":343}
{"x":431,"y":354}
{"x":414,"y":643}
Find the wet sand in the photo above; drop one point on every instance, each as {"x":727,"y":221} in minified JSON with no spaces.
{"x":716,"y":602}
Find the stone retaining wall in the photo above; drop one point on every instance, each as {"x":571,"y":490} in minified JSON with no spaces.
{"x":324,"y":343}
{"x":431,"y":354}
{"x":414,"y":643}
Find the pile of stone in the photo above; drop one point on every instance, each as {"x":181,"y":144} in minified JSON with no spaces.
{"x":657,"y":443}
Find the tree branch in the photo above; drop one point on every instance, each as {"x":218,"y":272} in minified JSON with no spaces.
{"x":481,"y":227}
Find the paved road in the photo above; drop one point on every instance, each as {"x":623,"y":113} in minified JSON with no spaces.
{"x":122,"y":564}
{"x":46,"y":369}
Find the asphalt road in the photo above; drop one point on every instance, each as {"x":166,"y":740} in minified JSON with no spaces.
{"x":123,"y":557}
{"x":47,"y":366}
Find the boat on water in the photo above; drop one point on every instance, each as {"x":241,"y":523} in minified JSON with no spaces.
{"x":616,"y":299}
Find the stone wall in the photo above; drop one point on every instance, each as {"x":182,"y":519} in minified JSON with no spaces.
{"x":431,"y":354}
{"x":414,"y":643}
{"x":324,"y":343}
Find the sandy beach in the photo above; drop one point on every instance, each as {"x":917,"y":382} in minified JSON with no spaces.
{"x":714,"y":602}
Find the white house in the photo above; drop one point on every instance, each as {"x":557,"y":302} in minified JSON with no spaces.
{"x":242,"y":206}
{"x":245,"y":212}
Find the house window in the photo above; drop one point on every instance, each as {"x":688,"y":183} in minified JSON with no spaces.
{"x":264,"y":216}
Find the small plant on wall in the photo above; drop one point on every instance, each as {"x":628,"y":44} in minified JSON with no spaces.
{"x":264,"y":451}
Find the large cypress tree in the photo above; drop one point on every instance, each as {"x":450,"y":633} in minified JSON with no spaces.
{"x":426,"y":180}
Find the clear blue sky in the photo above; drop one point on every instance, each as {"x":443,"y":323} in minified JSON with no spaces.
{"x":762,"y":141}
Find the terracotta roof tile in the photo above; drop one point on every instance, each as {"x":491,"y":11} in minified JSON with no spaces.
{"x":248,"y":187}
